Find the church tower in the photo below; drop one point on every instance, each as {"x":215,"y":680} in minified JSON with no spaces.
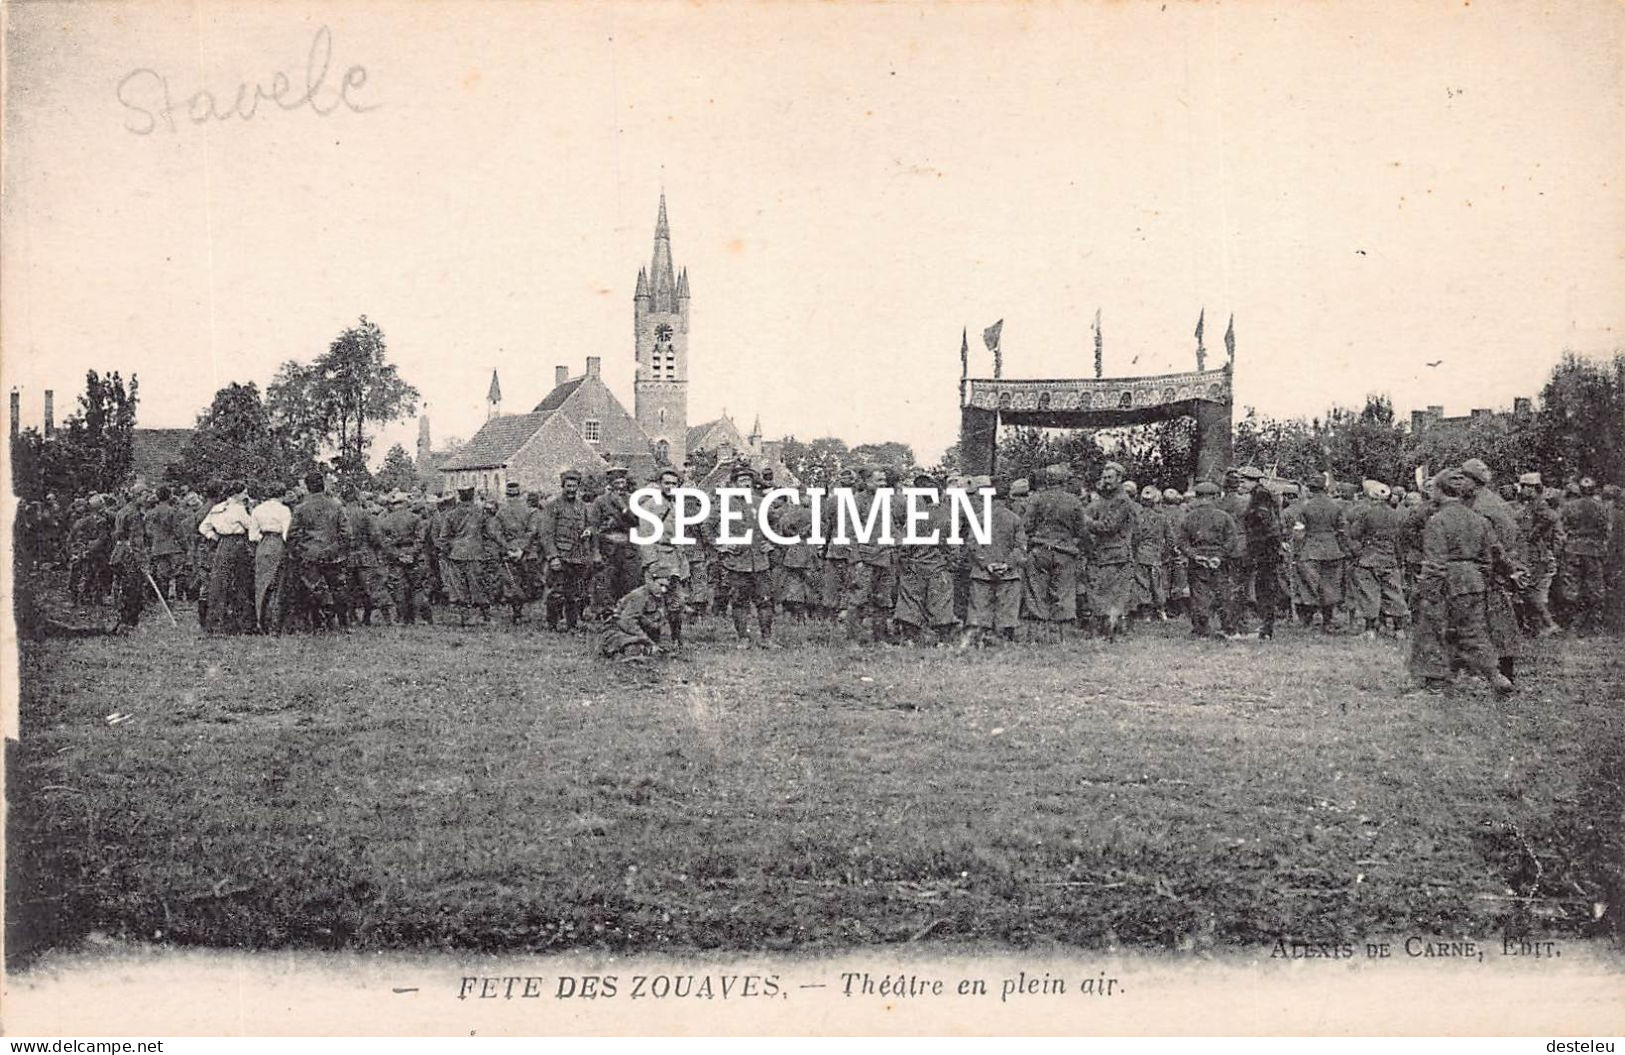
{"x":660,"y":325}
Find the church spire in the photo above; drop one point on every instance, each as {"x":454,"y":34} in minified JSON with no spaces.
{"x":662,"y":278}
{"x":493,"y":398}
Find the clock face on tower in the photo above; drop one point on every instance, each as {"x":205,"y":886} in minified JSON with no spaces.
{"x":663,"y":333}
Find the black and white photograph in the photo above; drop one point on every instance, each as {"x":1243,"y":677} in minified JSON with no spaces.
{"x":719,"y":518}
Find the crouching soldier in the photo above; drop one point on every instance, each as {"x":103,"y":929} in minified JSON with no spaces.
{"x":634,"y":628}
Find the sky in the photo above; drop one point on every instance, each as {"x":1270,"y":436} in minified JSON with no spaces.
{"x":1368,"y":189}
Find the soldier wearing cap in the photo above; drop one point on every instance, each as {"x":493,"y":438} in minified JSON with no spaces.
{"x":745,"y":566}
{"x":872,"y":583}
{"x":566,"y":534}
{"x":800,"y":582}
{"x":925,"y":589}
{"x":514,"y":526}
{"x":1586,"y":529}
{"x":405,"y":541}
{"x":679,"y":563}
{"x":838,"y":566}
{"x":1540,"y":531}
{"x":1323,"y":553}
{"x":1055,"y":530}
{"x":994,"y":608}
{"x":1239,"y":484}
{"x":1153,"y":541}
{"x":1021,"y":491}
{"x":462,"y":543}
{"x":1459,"y":555}
{"x":1209,"y":540}
{"x":611,"y":515}
{"x":1179,"y":587}
{"x":1374,"y":529}
{"x":634,"y":627}
{"x":1509,"y":578}
{"x":1110,"y":524}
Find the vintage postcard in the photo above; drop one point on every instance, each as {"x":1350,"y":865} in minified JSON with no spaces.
{"x":782,"y":518}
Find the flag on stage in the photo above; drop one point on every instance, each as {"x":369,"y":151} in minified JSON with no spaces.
{"x":1201,"y":350}
{"x":990,"y":337}
{"x":1100,"y":361}
{"x":1230,"y":338}
{"x":964,"y":352}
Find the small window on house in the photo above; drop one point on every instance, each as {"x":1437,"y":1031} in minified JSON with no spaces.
{"x":589,"y":430}
{"x":662,"y":415}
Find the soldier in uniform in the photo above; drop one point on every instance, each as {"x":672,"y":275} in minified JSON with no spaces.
{"x":1540,"y":530}
{"x":801,"y":586}
{"x":1209,"y":540}
{"x":1179,"y":587}
{"x":1055,"y":528}
{"x":633,"y":628}
{"x":165,"y":540}
{"x":1374,"y":529}
{"x":1238,"y":487}
{"x":1459,"y":553}
{"x":611,"y":515}
{"x":664,"y":557}
{"x":1585,"y":527}
{"x":131,"y":560}
{"x":567,"y":544}
{"x":925,"y":589}
{"x":515,"y":524}
{"x":871,"y":584}
{"x":1262,"y":534}
{"x":994,"y":609}
{"x":462,"y":541}
{"x":1110,"y":523}
{"x":1323,"y":552}
{"x":364,"y":573}
{"x":1508,"y":579}
{"x":319,"y":539}
{"x":1153,"y":538}
{"x":745,"y":567}
{"x":406,"y":552}
{"x":838,"y":565}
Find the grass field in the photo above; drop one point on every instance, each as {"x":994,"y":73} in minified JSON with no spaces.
{"x":502,"y":788}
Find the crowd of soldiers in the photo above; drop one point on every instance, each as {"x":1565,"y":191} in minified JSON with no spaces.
{"x":1464,"y":570}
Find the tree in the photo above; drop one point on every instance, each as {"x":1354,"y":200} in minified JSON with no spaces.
{"x":1580,"y":430}
{"x":332,"y":406}
{"x":233,"y":441}
{"x":816,"y":463}
{"x":398,"y":473}
{"x":890,"y":454}
{"x":701,"y":462}
{"x":92,"y":451}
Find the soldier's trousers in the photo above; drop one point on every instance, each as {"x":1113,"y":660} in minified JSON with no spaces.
{"x":1378,"y":592}
{"x":1450,"y":631}
{"x":1583,"y":585}
{"x":408,"y":586}
{"x":1322,"y":582}
{"x":1150,"y":584}
{"x":1210,"y":596}
{"x":871,"y":588}
{"x":622,"y":570}
{"x":994,"y":604}
{"x":925,"y":597}
{"x":566,"y":593}
{"x":1051,"y":584}
{"x":322,"y":585}
{"x":365,"y":587}
{"x":165,"y":567}
{"x":465,"y":583}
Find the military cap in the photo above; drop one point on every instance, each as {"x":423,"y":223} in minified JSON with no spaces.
{"x":1113,"y":467}
{"x":465,"y":493}
{"x":977,"y":483}
{"x":1317,"y":483}
{"x":1173,"y":495}
{"x":1587,"y":484}
{"x":1532,"y":479}
{"x":1571,"y":489}
{"x":1130,"y":488}
{"x":1378,"y":490}
{"x":1610,"y":490}
{"x":1475,"y":469}
{"x":926,"y":479}
{"x":1206,"y":489}
{"x":1370,"y":488}
{"x":743,"y":470}
{"x":1232,"y":473}
{"x":568,"y":475}
{"x":511,"y":488}
{"x":615,"y":470}
{"x":767,"y":474}
{"x":1151,"y":494}
{"x":1252,"y":472}
{"x":1021,"y":486}
{"x":670,"y":470}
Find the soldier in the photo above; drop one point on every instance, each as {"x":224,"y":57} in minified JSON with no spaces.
{"x":666,"y":558}
{"x":872,"y":586}
{"x":1507,"y":581}
{"x":364,"y":573}
{"x":996,"y":572}
{"x":319,"y":538}
{"x":1266,"y":553}
{"x":619,"y":571}
{"x":839,"y":568}
{"x":1153,"y":538}
{"x":634,"y":627}
{"x":1055,"y":528}
{"x":514,"y":526}
{"x":567,"y":544}
{"x":1540,"y":532}
{"x":1179,"y":588}
{"x":745,"y":566}
{"x":925,"y":589}
{"x":1374,"y":529}
{"x":1238,"y":487}
{"x":1459,"y":555}
{"x":1111,"y":522}
{"x":406,"y":551}
{"x":462,"y":542}
{"x":1021,"y":491}
{"x":801,"y":585}
{"x":440,"y":562}
{"x":1209,"y":540}
{"x":1324,"y":550}
{"x":1585,"y":525}
{"x":130,"y":559}
{"x":533,"y":563}
{"x":165,"y":540}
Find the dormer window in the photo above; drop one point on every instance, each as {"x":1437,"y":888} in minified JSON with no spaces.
{"x":590,"y":430}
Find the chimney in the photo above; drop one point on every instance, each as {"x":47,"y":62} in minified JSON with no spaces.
{"x":561,"y":374}
{"x":50,"y":413}
{"x":1419,"y":420}
{"x":16,"y":411}
{"x":1436,"y":413}
{"x":1522,"y":407}
{"x":593,"y":363}
{"x":1481,"y":414}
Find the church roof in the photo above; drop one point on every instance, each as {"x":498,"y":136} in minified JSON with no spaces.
{"x":494,"y":393}
{"x":559,"y":396}
{"x":497,"y":442}
{"x":706,"y":433}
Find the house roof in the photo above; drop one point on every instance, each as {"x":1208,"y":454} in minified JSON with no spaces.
{"x":556,"y":398}
{"x":152,"y":451}
{"x":497,"y":442}
{"x":699,"y":434}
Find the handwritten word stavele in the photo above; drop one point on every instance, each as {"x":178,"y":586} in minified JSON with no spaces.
{"x":146,"y":94}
